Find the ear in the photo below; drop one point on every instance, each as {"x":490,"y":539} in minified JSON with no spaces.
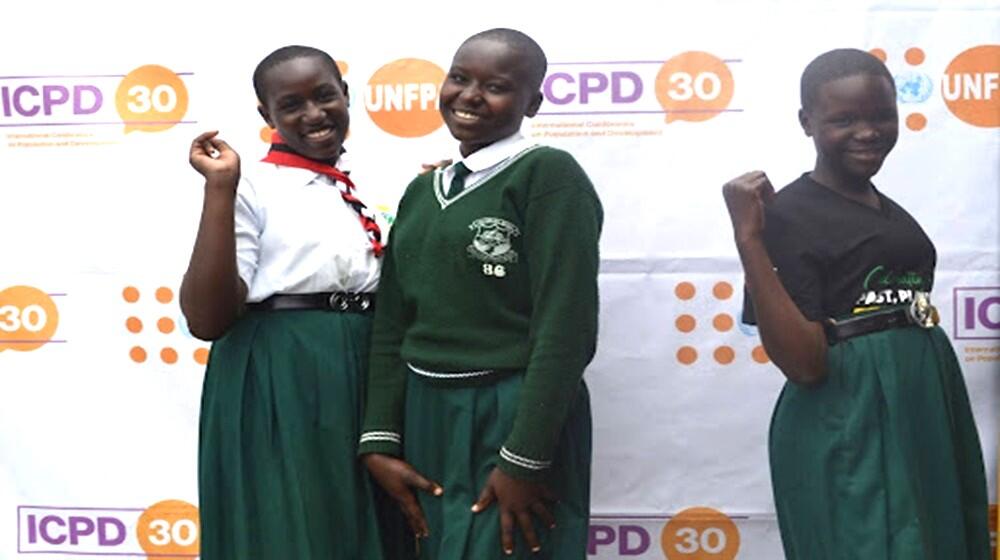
{"x":805,"y":122}
{"x":536,"y":102}
{"x":264,"y":114}
{"x":347,"y":94}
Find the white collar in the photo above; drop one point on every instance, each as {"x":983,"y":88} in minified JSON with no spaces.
{"x":486,"y":157}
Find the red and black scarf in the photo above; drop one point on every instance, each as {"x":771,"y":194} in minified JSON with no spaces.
{"x":281,"y":154}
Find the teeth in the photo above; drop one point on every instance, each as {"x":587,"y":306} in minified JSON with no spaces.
{"x":465,"y":115}
{"x":318,"y":133}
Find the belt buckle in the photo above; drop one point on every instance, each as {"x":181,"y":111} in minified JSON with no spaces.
{"x":922,"y":313}
{"x":338,"y":301}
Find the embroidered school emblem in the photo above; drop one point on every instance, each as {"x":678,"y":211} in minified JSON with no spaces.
{"x":492,"y":242}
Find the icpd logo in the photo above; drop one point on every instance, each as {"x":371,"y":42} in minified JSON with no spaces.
{"x":691,"y":86}
{"x":150,"y":98}
{"x":166,"y":529}
{"x":977,"y":313}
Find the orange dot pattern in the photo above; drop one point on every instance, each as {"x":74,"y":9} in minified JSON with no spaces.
{"x":721,"y":322}
{"x":165,"y":325}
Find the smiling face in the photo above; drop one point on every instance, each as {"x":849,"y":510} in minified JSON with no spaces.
{"x":487,"y":93}
{"x":854,"y":125}
{"x":306,"y":101}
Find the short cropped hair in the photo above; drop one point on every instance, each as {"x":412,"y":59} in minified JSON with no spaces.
{"x":836,"y":64}
{"x":285,"y":54}
{"x":533,"y":54}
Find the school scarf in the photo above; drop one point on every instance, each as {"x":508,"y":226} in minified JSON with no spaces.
{"x":281,"y":154}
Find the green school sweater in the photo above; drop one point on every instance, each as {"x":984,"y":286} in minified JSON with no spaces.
{"x":499,"y":279}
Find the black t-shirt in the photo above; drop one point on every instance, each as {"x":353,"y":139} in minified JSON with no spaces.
{"x":837,"y":257}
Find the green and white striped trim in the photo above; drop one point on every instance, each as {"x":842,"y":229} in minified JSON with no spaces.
{"x":523,"y":462}
{"x":381,"y":436}
{"x":448,"y":375}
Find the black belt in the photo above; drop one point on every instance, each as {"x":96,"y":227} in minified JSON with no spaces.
{"x":920,"y":313}
{"x":340,"y":302}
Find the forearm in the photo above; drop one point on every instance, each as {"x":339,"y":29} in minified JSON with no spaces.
{"x":795,"y":344}
{"x":212,"y":294}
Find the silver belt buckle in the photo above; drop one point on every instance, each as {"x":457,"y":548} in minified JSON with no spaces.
{"x":922,"y":313}
{"x":338,"y":300}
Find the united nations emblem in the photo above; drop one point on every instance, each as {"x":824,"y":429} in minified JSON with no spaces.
{"x":492,"y":242}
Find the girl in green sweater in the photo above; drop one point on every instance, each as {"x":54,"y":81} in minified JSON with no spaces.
{"x":487,"y":318}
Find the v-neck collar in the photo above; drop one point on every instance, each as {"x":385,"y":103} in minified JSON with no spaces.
{"x":485,"y":164}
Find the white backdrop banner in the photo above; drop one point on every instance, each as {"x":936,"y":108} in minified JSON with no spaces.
{"x":661,"y":102}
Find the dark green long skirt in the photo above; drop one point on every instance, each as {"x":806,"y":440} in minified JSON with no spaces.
{"x":453,"y":436}
{"x":882,"y":461}
{"x":278,"y":476}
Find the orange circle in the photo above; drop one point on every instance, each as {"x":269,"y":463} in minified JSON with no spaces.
{"x":722,"y":322}
{"x":169,"y":527}
{"x":684,"y":290}
{"x":722,"y":290}
{"x":724,"y":355}
{"x":916,"y":121}
{"x":402,"y":97}
{"x":970,"y":86}
{"x":700,"y":533}
{"x":914,"y":55}
{"x":138,"y":354}
{"x":343,"y":67}
{"x":879,"y":54}
{"x":694,"y":86}
{"x":166,"y":325}
{"x":687,"y":355}
{"x":201,"y":356}
{"x":265,"y":134}
{"x":131,"y":294}
{"x":686,"y":323}
{"x":759,"y":355}
{"x":168,"y":355}
{"x":164,"y":295}
{"x":133,"y":324}
{"x":28,"y":318}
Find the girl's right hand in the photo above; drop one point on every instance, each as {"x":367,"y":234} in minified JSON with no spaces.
{"x":399,"y":479}
{"x":214,"y":159}
{"x":746,"y":196}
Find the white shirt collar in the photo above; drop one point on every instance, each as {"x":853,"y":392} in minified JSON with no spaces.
{"x":485,"y":158}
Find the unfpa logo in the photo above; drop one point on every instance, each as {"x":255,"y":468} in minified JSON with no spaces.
{"x":401,"y":97}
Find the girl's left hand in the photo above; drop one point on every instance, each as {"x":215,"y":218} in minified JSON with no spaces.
{"x":517,"y":500}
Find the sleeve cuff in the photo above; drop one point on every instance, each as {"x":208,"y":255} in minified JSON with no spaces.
{"x":389,"y":443}
{"x":521,"y":467}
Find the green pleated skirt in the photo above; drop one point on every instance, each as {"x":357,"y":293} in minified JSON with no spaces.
{"x":453,"y":436}
{"x":278,"y":476}
{"x":881,"y":461}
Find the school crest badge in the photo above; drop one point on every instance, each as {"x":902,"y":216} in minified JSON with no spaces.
{"x":492,"y":241}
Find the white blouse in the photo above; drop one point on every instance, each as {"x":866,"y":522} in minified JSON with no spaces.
{"x":296,"y":235}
